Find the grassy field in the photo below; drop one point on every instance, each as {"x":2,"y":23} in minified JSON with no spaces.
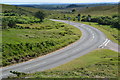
{"x":100,"y":10}
{"x":25,"y":37}
{"x":101,"y":63}
{"x":23,"y":10}
{"x":36,"y":40}
{"x":39,"y":32}
{"x":31,"y":39}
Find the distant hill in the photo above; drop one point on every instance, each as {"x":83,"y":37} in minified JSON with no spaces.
{"x":19,"y":10}
{"x":89,"y":5}
{"x":46,"y":6}
{"x":100,"y":10}
{"x":72,"y":5}
{"x":67,"y":5}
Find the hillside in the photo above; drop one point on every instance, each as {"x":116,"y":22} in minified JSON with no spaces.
{"x":55,"y":6}
{"x":93,"y":11}
{"x":25,"y":36}
{"x":16,"y":8}
{"x":28,"y":38}
{"x":100,"y":10}
{"x":100,"y":16}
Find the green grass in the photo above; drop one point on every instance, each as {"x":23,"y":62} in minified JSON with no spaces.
{"x":38,"y":32}
{"x":93,"y":11}
{"x":29,"y":11}
{"x":100,"y":10}
{"x":0,"y":47}
{"x":31,"y":38}
{"x":18,"y":9}
{"x":101,"y":63}
{"x":38,"y":39}
{"x":96,"y":56}
{"x":111,"y":33}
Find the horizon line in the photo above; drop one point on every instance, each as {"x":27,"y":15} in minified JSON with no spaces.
{"x":14,"y":3}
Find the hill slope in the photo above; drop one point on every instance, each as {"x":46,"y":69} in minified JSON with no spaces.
{"x":100,"y":10}
{"x":25,"y":37}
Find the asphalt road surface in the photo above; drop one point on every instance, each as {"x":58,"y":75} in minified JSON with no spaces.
{"x":91,"y":39}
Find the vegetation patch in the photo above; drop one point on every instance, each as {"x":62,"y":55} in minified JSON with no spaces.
{"x":28,"y":34}
{"x":36,"y":40}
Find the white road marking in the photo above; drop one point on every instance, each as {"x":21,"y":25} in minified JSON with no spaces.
{"x":107,"y":42}
{"x":35,"y":65}
{"x":27,"y":68}
{"x":100,"y":46}
{"x":93,"y":36}
{"x":104,"y":44}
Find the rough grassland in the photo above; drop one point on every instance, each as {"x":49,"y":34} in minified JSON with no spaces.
{"x":35,"y":40}
{"x":100,"y":10}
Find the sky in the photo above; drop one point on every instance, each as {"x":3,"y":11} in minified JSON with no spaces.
{"x":53,"y":1}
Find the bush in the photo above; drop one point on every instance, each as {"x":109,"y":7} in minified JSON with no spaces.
{"x":105,"y":20}
{"x":12,"y":51}
{"x":12,"y":24}
{"x":40,"y":15}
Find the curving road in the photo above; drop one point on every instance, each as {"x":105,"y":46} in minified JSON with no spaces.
{"x":91,"y":39}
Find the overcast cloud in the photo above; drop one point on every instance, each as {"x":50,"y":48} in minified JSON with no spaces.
{"x":57,"y":1}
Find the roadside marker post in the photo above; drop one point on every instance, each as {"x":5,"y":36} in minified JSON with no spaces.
{"x":69,"y":20}
{"x":89,"y":20}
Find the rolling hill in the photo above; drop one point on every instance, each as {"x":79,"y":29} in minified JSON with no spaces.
{"x":25,"y":36}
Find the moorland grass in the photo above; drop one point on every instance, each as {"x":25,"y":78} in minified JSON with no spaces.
{"x":36,"y":40}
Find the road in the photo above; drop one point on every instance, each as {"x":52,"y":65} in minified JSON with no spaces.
{"x":91,"y":39}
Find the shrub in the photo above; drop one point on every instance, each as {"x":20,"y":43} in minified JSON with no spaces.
{"x":12,"y":24}
{"x":40,"y":15}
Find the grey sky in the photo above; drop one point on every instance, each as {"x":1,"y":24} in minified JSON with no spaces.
{"x":57,"y":1}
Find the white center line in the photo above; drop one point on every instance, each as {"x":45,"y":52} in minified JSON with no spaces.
{"x":93,"y":36}
{"x":35,"y":65}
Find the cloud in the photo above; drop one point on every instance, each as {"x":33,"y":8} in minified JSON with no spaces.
{"x":56,"y":1}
